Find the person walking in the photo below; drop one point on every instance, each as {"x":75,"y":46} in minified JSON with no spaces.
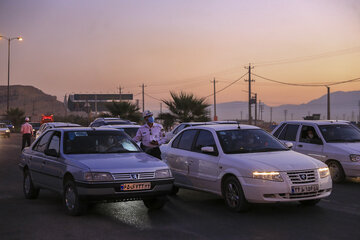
{"x":26,"y":131}
{"x":151,"y":135}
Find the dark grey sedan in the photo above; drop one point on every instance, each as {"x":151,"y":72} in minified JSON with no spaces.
{"x":91,"y":165}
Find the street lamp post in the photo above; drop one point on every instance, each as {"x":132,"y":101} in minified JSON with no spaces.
{"x":9,"y":39}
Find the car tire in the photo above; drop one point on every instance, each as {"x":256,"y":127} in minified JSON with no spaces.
{"x":311,"y":202}
{"x":174,"y":191}
{"x":234,"y":195}
{"x":72,"y":203}
{"x":29,"y":190}
{"x":336,"y":171}
{"x":155,"y":203}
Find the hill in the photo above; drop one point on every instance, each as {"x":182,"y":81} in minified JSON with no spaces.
{"x":31,"y":100}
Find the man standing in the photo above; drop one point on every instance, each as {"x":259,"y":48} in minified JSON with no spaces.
{"x":26,"y":130}
{"x":151,"y":135}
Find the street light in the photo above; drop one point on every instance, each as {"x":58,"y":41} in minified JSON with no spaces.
{"x":9,"y":39}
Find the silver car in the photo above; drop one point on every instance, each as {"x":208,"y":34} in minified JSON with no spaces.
{"x":90,"y":165}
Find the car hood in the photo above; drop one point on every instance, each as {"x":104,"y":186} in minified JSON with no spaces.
{"x":276,"y":161}
{"x":3,"y":129}
{"x":119,"y":162}
{"x":351,"y":148}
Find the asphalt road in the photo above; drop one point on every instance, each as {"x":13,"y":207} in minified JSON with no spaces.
{"x":189,"y":215}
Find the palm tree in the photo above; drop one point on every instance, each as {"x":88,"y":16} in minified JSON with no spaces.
{"x":125,"y":110}
{"x":185,"y":107}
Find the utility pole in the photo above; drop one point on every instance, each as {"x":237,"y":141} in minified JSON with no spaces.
{"x":119,"y":88}
{"x":255,"y":108}
{"x":285,"y":113}
{"x":143,"y":98}
{"x":242,"y":112}
{"x":215,"y":116}
{"x":271,"y":115}
{"x":249,"y":80}
{"x":160,"y":107}
{"x":328,"y":102}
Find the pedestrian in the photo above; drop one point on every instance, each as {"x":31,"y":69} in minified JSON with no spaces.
{"x":26,"y":131}
{"x":151,"y":135}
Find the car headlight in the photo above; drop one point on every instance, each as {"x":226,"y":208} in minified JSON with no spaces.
{"x":271,"y":176}
{"x":354,"y":158}
{"x":98,"y":176}
{"x":7,"y":130}
{"x":163,"y":173}
{"x":324,"y":172}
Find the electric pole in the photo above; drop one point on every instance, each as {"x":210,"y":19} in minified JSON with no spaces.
{"x":249,"y":80}
{"x":215,"y":116}
{"x":285,"y":113}
{"x":143,"y":98}
{"x":255,"y":101}
{"x":160,"y":107}
{"x":119,"y":88}
{"x":271,"y":115}
{"x":328,"y":102}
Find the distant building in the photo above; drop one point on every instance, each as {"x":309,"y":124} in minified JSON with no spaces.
{"x":93,"y":102}
{"x":315,"y":116}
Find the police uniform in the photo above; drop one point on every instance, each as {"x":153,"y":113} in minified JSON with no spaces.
{"x":147,"y":134}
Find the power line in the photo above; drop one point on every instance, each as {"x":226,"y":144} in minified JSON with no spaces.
{"x":153,"y":97}
{"x":227,"y":85}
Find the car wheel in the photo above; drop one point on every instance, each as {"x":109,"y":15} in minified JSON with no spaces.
{"x":234,"y":195}
{"x":174,"y":191}
{"x":155,"y":203}
{"x":311,"y":202}
{"x":30,"y":191}
{"x":73,"y":205}
{"x":336,"y":172}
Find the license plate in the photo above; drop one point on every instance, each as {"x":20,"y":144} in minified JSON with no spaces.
{"x":305,"y":188}
{"x":135,"y":186}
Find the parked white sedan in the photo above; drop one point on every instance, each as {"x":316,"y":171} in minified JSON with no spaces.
{"x":244,"y":164}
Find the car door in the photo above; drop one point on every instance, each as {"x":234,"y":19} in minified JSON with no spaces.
{"x":38,"y":158}
{"x":54,"y":166}
{"x":203,"y":166}
{"x":178,"y":156}
{"x":310,"y":146}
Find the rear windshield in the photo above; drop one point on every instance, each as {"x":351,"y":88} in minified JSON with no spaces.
{"x":88,"y":142}
{"x":130,"y":131}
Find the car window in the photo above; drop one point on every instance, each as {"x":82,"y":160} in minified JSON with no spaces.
{"x":289,"y":132}
{"x":204,"y":139}
{"x":187,"y":139}
{"x":309,"y":135}
{"x":43,"y":141}
{"x":340,"y":133}
{"x":179,"y":128}
{"x":55,"y":142}
{"x":175,"y":143}
{"x":278,"y":131}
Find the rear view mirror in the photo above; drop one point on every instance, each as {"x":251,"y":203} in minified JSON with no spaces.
{"x":51,"y":152}
{"x":208,"y":149}
{"x":289,"y":144}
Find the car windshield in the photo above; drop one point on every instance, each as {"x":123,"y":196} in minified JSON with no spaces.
{"x":129,"y":131}
{"x":248,"y":141}
{"x":340,"y":133}
{"x":87,"y":142}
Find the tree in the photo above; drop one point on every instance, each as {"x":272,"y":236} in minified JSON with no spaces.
{"x":16,"y":116}
{"x":185,"y":107}
{"x":167,"y":120}
{"x":125,"y":110}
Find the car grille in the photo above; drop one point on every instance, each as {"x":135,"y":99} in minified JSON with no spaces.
{"x":133,"y":176}
{"x":301,"y":177}
{"x":303,"y":195}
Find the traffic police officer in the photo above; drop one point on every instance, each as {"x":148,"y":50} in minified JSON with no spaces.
{"x":27,"y":131}
{"x":151,"y":135}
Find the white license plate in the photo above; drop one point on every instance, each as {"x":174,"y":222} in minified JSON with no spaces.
{"x":305,"y":188}
{"x":135,"y":186}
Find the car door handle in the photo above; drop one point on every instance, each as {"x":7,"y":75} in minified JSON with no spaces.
{"x":300,"y":145}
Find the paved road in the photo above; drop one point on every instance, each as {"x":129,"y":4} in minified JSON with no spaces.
{"x":189,"y":215}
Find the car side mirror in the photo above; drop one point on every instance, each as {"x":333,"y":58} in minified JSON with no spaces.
{"x":207,"y":149}
{"x":51,"y":152}
{"x":289,"y":145}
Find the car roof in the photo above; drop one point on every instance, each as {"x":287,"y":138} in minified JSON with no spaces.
{"x":62,"y":124}
{"x":318,"y":122}
{"x":120,"y":126}
{"x":222,"y":127}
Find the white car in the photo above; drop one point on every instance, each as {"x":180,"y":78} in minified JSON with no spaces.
{"x":130,"y":130}
{"x":336,"y":143}
{"x":244,"y":164}
{"x":4,"y":130}
{"x":49,"y":125}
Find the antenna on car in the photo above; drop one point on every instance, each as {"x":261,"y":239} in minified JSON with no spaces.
{"x":238,"y":123}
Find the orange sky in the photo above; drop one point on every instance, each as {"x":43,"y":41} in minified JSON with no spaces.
{"x":89,"y":46}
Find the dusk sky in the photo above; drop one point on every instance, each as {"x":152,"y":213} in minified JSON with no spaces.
{"x":93,"y":46}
